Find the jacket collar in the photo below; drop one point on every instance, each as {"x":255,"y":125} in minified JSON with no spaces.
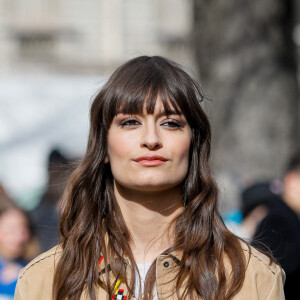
{"x":176,"y":255}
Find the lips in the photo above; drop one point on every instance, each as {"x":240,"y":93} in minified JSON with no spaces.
{"x":151,"y":157}
{"x":151,"y":160}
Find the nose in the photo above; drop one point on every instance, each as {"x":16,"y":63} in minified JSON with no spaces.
{"x":150,"y":137}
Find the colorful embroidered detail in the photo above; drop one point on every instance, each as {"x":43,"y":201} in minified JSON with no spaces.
{"x":118,"y":292}
{"x":100,"y":260}
{"x":119,"y":295}
{"x":117,"y":285}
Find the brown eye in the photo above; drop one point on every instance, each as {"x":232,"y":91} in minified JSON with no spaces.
{"x":173,"y":124}
{"x":129,"y":123}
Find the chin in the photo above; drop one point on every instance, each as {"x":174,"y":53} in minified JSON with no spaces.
{"x":153,"y":186}
{"x":150,"y":183}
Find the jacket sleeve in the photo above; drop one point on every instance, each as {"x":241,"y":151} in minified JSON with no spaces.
{"x":20,"y":292}
{"x":277,"y":292}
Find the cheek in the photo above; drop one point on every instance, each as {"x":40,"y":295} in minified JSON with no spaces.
{"x":185,"y":151}
{"x":182,"y":144}
{"x":185,"y":147}
{"x":113,"y":149}
{"x":180,"y":149}
{"x":119,"y":147}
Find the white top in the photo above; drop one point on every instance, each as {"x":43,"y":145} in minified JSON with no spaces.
{"x":143,"y":269}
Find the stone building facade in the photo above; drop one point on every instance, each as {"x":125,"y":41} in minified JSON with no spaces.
{"x":84,"y":36}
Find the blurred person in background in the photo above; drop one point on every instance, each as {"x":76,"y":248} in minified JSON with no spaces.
{"x":257,"y":200}
{"x":291,"y":197}
{"x":45,"y":216}
{"x":273,"y":221}
{"x":14,"y":238}
{"x":4,"y":199}
{"x":291,"y":184}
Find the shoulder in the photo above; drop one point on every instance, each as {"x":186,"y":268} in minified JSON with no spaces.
{"x":264,"y":278}
{"x":45,"y":261}
{"x":36,"y":278}
{"x":258,"y":260}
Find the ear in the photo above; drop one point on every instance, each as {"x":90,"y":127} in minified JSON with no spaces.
{"x":106,"y":159}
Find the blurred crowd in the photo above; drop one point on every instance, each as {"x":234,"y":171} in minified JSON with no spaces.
{"x":24,"y":235}
{"x":268,"y":218}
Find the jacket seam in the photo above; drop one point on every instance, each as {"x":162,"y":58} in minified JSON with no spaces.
{"x":35,"y":262}
{"x":274,"y":284}
{"x":262,"y":260}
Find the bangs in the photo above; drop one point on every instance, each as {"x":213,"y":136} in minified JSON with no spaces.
{"x":137,"y":86}
{"x":147,"y":102}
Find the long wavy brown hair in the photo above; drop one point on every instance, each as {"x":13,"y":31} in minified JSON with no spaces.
{"x":92,"y":223}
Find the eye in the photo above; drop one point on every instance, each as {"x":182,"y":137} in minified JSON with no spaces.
{"x":172,"y":124}
{"x":130,"y":122}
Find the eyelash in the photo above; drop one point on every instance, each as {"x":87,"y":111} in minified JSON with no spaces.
{"x":172,"y":124}
{"x":126,"y":122}
{"x":175,"y":124}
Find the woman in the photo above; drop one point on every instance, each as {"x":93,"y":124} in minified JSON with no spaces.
{"x":14,"y":237}
{"x":143,"y":202}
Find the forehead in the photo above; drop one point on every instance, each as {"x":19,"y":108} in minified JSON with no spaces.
{"x":12,"y":216}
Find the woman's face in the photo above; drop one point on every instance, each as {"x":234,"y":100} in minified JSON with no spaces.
{"x":149,"y":152}
{"x":14,"y":233}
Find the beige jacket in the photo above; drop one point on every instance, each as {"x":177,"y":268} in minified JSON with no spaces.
{"x":262,"y":281}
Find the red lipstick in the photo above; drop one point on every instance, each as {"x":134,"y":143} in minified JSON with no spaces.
{"x":151,"y":160}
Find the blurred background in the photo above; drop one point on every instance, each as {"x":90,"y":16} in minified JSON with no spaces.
{"x":55,"y":56}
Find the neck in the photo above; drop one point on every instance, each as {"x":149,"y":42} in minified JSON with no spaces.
{"x":148,"y":216}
